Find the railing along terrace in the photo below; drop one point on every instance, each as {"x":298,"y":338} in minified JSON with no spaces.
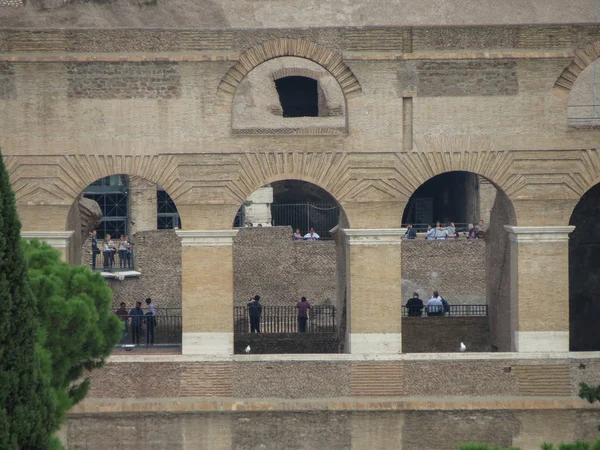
{"x":114,"y":260}
{"x":451,"y":311}
{"x":164,"y":328}
{"x":284,"y":319}
{"x":422,"y":227}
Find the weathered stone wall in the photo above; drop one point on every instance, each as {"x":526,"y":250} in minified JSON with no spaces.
{"x":11,"y":3}
{"x":280,"y":343}
{"x":455,"y":268}
{"x":318,"y":378}
{"x":158,"y":258}
{"x":142,"y":205}
{"x":123,"y":80}
{"x":268,"y":262}
{"x":444,"y":334}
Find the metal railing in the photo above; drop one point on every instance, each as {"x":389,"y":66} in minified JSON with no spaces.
{"x":113,"y":260}
{"x":320,"y":216}
{"x":422,"y":227}
{"x":452,"y":311}
{"x":284,"y":319}
{"x":164,"y":328}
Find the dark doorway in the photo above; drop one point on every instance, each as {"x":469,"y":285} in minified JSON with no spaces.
{"x":298,"y":96}
{"x":584,"y":273}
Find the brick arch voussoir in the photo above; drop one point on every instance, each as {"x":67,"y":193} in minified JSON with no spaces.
{"x":582,"y":59}
{"x":254,"y":56}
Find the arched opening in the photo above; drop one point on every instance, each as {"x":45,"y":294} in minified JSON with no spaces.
{"x":142,"y":258}
{"x":584,"y":98}
{"x":298,"y":96}
{"x":466,"y":258}
{"x":285,"y":251}
{"x":584,"y":273}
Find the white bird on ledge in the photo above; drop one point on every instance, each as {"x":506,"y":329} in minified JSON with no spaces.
{"x":463,"y":347}
{"x":247,"y":350}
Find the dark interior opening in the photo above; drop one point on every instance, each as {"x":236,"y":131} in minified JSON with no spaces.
{"x":298,"y":96}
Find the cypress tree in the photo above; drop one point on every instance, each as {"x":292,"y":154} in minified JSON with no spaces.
{"x":26,"y":408}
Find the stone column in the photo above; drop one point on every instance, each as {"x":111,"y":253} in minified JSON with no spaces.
{"x":539,"y":288}
{"x":142,"y":205}
{"x":207,"y":291}
{"x":258,"y":209}
{"x":374,"y":285}
{"x":59,"y":240}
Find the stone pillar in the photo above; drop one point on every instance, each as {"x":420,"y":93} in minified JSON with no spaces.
{"x":59,"y":240}
{"x":374,"y":285}
{"x":539,"y":288}
{"x":207,"y":291}
{"x":142,"y":205}
{"x":487,"y":197}
{"x":258,"y":211}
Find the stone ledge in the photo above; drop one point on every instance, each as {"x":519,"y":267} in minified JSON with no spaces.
{"x":191,"y":405}
{"x":121,"y":275}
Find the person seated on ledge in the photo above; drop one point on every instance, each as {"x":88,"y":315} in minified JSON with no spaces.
{"x":311,"y":235}
{"x":414,"y":306}
{"x":297,"y":235}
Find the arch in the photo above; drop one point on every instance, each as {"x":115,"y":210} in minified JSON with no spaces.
{"x":254,"y":56}
{"x":581,"y":60}
{"x":584,"y":272}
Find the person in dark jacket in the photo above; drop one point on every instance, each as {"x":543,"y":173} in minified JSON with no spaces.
{"x":254,"y":311}
{"x":137,"y":318}
{"x":414,"y":306}
{"x":411,"y":233}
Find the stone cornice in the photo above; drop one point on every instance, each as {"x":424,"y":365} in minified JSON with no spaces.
{"x":206,"y":238}
{"x":56,"y":239}
{"x":375,"y":236}
{"x":539,"y":234}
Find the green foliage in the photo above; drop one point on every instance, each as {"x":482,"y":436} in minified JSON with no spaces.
{"x":78,"y":328}
{"x":27,"y":416}
{"x":589,"y":393}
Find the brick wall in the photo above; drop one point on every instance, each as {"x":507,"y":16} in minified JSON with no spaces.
{"x":444,"y":334}
{"x":158,"y":258}
{"x":266,"y":261}
{"x":123,"y":80}
{"x":279,"y":343}
{"x":7,"y":81}
{"x":456,"y":268}
{"x":11,"y":3}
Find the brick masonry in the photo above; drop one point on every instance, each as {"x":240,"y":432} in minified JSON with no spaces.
{"x":444,"y":334}
{"x":467,"y":78}
{"x":317,"y":379}
{"x":7,"y":81}
{"x":123,"y":80}
{"x":11,"y":3}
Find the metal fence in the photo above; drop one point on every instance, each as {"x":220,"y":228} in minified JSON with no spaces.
{"x":162,"y":329}
{"x":453,"y":311}
{"x":422,"y":227}
{"x":113,"y":261}
{"x":320,"y":216}
{"x":284,"y":319}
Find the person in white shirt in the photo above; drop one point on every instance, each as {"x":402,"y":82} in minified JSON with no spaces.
{"x":430,"y":233}
{"x":435,"y":306}
{"x":311,"y":235}
{"x":150,"y":321}
{"x":441,"y":232}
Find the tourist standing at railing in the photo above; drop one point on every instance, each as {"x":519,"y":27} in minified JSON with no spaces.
{"x":441,"y":232}
{"x":95,"y":249}
{"x":150,"y":322}
{"x":255,"y":311}
{"x":108,"y":251}
{"x":123,"y":247}
{"x":297,"y":235}
{"x":472,"y":232}
{"x":137,"y":319}
{"x":124,"y":316}
{"x":303,"y":307}
{"x":411,"y":233}
{"x":430,"y":233}
{"x":452,"y":233}
{"x":414,"y":306}
{"x":129,"y":254}
{"x":435,"y":306}
{"x":311,"y":235}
